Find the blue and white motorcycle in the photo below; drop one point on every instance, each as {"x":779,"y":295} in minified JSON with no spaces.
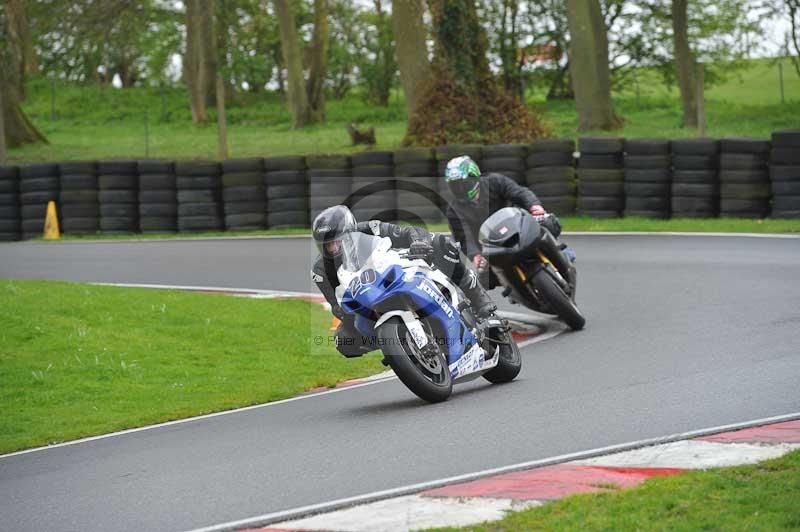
{"x":421,"y":321}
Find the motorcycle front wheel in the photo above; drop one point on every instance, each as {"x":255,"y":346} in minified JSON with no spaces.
{"x":559,"y":301}
{"x":510,"y":362}
{"x":424,"y":371}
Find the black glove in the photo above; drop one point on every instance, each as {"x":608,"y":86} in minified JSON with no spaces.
{"x":421,"y":248}
{"x":552,"y":223}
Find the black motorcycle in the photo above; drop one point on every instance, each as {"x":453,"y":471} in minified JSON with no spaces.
{"x":528,"y":261}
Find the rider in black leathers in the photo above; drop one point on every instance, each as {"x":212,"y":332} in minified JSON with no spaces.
{"x":333,"y":223}
{"x":477,"y":196}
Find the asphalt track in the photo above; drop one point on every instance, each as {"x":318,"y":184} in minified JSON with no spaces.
{"x":683,"y":333}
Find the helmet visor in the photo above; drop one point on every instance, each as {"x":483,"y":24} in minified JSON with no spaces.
{"x":464,"y":188}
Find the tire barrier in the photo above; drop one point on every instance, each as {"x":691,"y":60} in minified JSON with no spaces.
{"x":9,"y":204}
{"x":38,"y":185}
{"x":374,"y":195}
{"x":653,"y":178}
{"x":244,"y":194}
{"x":118,"y":196}
{"x":507,"y":159}
{"x":647,"y":178}
{"x":287,"y":192}
{"x":785,"y":174}
{"x":199,"y":205}
{"x":550,"y":174}
{"x":601,"y":178}
{"x":158,"y":197}
{"x":417,"y":183}
{"x":78,"y":198}
{"x":744,"y":188}
{"x":329,"y":182}
{"x":695,"y":187}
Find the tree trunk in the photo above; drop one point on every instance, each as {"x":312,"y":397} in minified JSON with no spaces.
{"x":684,"y":63}
{"x":17,"y":128}
{"x":412,"y":49}
{"x":290,"y":47}
{"x":200,"y":61}
{"x":319,"y":62}
{"x":15,"y":10}
{"x":463,"y":103}
{"x":589,"y":66}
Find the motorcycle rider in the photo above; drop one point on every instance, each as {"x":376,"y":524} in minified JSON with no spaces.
{"x":477,"y":196}
{"x":329,"y":229}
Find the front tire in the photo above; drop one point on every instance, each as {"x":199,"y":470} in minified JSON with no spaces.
{"x":510,"y":363}
{"x":427,"y":376}
{"x":559,"y":301}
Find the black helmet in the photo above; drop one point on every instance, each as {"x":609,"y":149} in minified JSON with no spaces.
{"x":329,"y":227}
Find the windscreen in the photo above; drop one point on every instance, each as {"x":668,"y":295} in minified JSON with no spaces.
{"x":358,"y":248}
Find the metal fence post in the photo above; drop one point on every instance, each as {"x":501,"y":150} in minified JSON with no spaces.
{"x":2,"y":130}
{"x":780,"y":75}
{"x":52,"y":100}
{"x":701,"y":103}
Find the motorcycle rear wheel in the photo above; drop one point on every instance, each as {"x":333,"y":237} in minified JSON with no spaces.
{"x":428,"y":377}
{"x":558,"y":300}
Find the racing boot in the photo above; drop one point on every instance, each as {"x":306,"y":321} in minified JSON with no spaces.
{"x":481,"y":302}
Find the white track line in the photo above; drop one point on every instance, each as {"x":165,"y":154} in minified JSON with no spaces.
{"x":308,"y":235}
{"x":295,"y":513}
{"x":677,"y":233}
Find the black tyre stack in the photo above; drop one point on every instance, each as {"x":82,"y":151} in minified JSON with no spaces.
{"x":647,"y":178}
{"x":287,"y":192}
{"x":158,"y":197}
{"x":118,"y":182}
{"x":78,"y":198}
{"x":443,"y":155}
{"x":506,"y":159}
{"x":744,"y":188}
{"x":374,"y":192}
{"x":695,"y":186}
{"x":9,"y":204}
{"x":199,"y":205}
{"x":550,"y":174}
{"x":418,"y":196}
{"x":784,"y":173}
{"x":244,"y":194}
{"x":38,"y":185}
{"x":601,"y":187}
{"x":329,"y":182}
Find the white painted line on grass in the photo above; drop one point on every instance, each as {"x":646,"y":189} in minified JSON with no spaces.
{"x":296,"y":513}
{"x":374,"y":379}
{"x":259,"y":291}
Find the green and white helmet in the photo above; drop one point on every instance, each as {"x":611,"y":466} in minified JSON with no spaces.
{"x":463,"y":177}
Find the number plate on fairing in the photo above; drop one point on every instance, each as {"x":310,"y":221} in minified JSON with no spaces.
{"x":418,"y":333}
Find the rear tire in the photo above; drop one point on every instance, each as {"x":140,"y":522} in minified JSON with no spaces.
{"x":397,"y":345}
{"x":558,"y":300}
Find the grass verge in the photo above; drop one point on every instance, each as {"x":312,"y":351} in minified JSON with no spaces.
{"x":570,"y":223}
{"x":79,"y":360}
{"x":86,"y":121}
{"x":764,"y":496}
